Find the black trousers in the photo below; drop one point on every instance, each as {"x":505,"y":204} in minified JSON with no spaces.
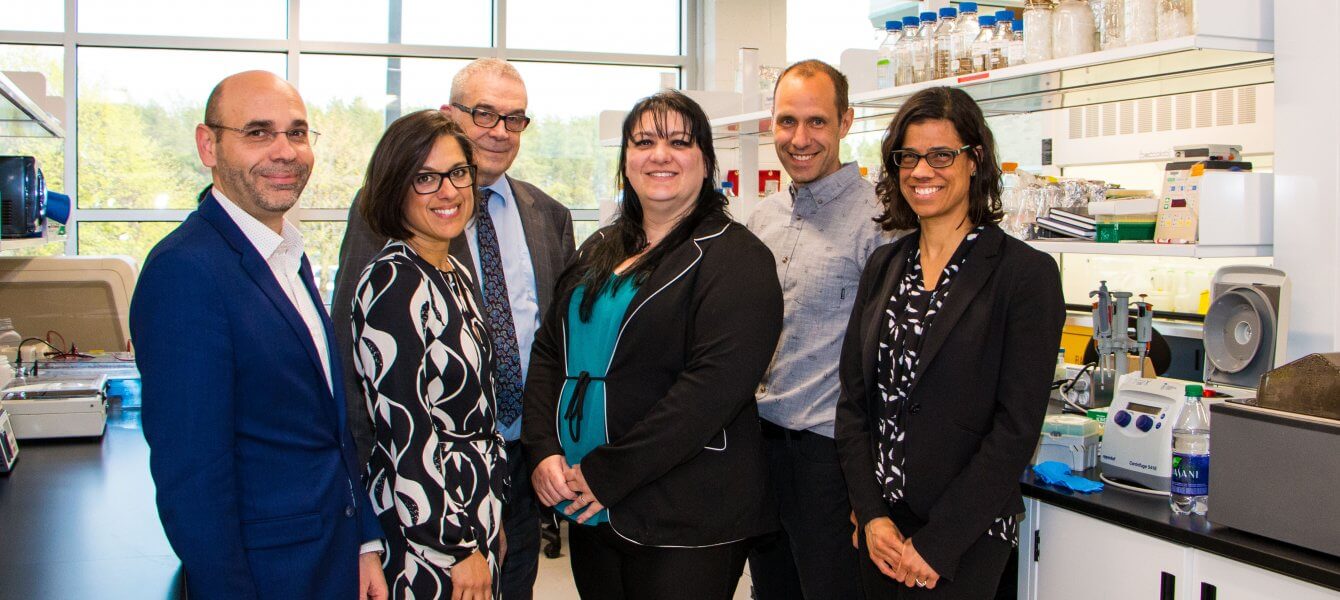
{"x":812,"y":557}
{"x":978,"y":575}
{"x":605,"y":566}
{"x":521,"y":524}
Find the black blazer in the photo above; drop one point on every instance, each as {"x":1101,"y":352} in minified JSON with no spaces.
{"x":548,"y":228}
{"x":684,"y":465}
{"x":978,"y":404}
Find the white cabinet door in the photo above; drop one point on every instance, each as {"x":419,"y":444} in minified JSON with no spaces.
{"x":1082,"y":557}
{"x":1233,"y":580}
{"x":1028,"y":569}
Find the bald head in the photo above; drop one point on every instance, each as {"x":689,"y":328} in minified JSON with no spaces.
{"x":242,"y":82}
{"x":256,"y":141}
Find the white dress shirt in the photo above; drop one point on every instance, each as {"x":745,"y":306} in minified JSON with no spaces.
{"x":283,"y":252}
{"x":518,"y":272}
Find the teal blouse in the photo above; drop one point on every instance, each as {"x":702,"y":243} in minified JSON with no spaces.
{"x":581,"y":407}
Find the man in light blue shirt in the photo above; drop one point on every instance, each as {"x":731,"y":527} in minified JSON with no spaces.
{"x":517,"y":247}
{"x":821,"y":231}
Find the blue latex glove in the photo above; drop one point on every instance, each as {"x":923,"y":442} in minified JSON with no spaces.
{"x":1058,"y":474}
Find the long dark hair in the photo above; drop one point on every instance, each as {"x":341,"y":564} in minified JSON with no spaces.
{"x":625,"y":237}
{"x":957,"y":107}
{"x":402,"y":150}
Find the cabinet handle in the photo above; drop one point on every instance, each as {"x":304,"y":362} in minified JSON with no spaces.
{"x":1167,"y":586}
{"x":1208,"y":591}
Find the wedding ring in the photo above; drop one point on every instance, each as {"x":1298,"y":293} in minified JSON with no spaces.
{"x":921,"y":583}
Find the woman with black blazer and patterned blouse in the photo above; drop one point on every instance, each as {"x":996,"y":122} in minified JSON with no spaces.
{"x":437,"y":471}
{"x":946,"y":363}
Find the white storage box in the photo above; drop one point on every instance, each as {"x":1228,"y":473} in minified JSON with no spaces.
{"x":1069,"y":439}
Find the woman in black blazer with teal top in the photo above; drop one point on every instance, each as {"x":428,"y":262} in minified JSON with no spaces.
{"x":944,"y":378}
{"x":640,"y":420}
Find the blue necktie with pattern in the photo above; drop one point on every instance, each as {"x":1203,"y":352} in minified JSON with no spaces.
{"x":498,"y":313}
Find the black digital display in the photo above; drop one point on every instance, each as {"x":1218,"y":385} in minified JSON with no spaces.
{"x":1144,"y":408}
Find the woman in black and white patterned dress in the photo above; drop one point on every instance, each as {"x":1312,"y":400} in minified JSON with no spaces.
{"x":438,"y":466}
{"x":946,"y":363}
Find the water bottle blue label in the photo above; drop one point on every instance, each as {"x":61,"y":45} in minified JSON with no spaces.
{"x":1190,"y":474}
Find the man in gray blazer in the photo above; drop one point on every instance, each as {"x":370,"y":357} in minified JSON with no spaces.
{"x":517,"y":245}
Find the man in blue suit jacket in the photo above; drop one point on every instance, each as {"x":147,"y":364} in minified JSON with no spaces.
{"x":259,"y":489}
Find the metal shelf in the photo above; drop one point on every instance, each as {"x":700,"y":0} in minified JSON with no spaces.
{"x":21,"y":117}
{"x":1149,"y":249}
{"x":1187,"y":64}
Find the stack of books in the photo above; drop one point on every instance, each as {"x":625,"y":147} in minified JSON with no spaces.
{"x":1073,"y":223}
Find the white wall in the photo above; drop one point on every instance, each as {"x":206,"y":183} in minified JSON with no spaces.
{"x":729,"y":25}
{"x":1307,"y":169}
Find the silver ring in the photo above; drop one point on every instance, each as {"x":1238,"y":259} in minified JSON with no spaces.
{"x":921,"y":583}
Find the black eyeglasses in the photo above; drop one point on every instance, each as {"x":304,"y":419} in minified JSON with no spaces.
{"x":487,"y":119}
{"x":938,"y":158}
{"x":429,"y":182}
{"x":260,"y":136}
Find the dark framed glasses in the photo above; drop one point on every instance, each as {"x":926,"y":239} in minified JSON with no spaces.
{"x":938,"y":158}
{"x":487,"y":119}
{"x":260,"y":136}
{"x":429,"y":182}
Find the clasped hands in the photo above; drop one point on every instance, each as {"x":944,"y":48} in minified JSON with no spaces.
{"x":554,"y":481}
{"x":894,"y":555}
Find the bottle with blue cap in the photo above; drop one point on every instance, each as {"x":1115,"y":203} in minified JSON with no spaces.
{"x":905,"y":52}
{"x":943,"y":43}
{"x":1000,"y":40}
{"x":967,"y":27}
{"x":1190,"y":492}
{"x":981,"y":47}
{"x":886,"y":65}
{"x":1016,"y":48}
{"x":922,"y":61}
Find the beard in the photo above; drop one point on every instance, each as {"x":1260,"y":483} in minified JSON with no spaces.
{"x":268,"y":197}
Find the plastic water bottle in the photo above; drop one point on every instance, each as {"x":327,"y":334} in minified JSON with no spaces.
{"x":886,"y":66}
{"x":1191,"y":456}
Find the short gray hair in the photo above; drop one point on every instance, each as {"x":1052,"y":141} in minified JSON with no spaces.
{"x":481,"y":66}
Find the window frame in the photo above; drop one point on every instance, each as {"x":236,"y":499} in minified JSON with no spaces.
{"x":71,"y":39}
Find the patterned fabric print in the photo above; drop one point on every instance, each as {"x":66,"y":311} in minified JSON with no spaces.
{"x":438,"y":470}
{"x":498,"y":312}
{"x":910,"y":314}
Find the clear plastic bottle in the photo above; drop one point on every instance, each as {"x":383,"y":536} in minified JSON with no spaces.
{"x":1016,"y":49}
{"x":966,"y":29}
{"x":1037,"y":30}
{"x":981,"y":47}
{"x":943,"y":42}
{"x":9,"y":340}
{"x":886,"y":66}
{"x":922,"y":59}
{"x":1000,"y":40}
{"x":1010,"y":201}
{"x":906,"y":53}
{"x":1190,"y":492}
{"x":1072,"y":28}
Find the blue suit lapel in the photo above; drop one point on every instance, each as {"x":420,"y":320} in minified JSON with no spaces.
{"x":336,"y":373}
{"x":259,"y":272}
